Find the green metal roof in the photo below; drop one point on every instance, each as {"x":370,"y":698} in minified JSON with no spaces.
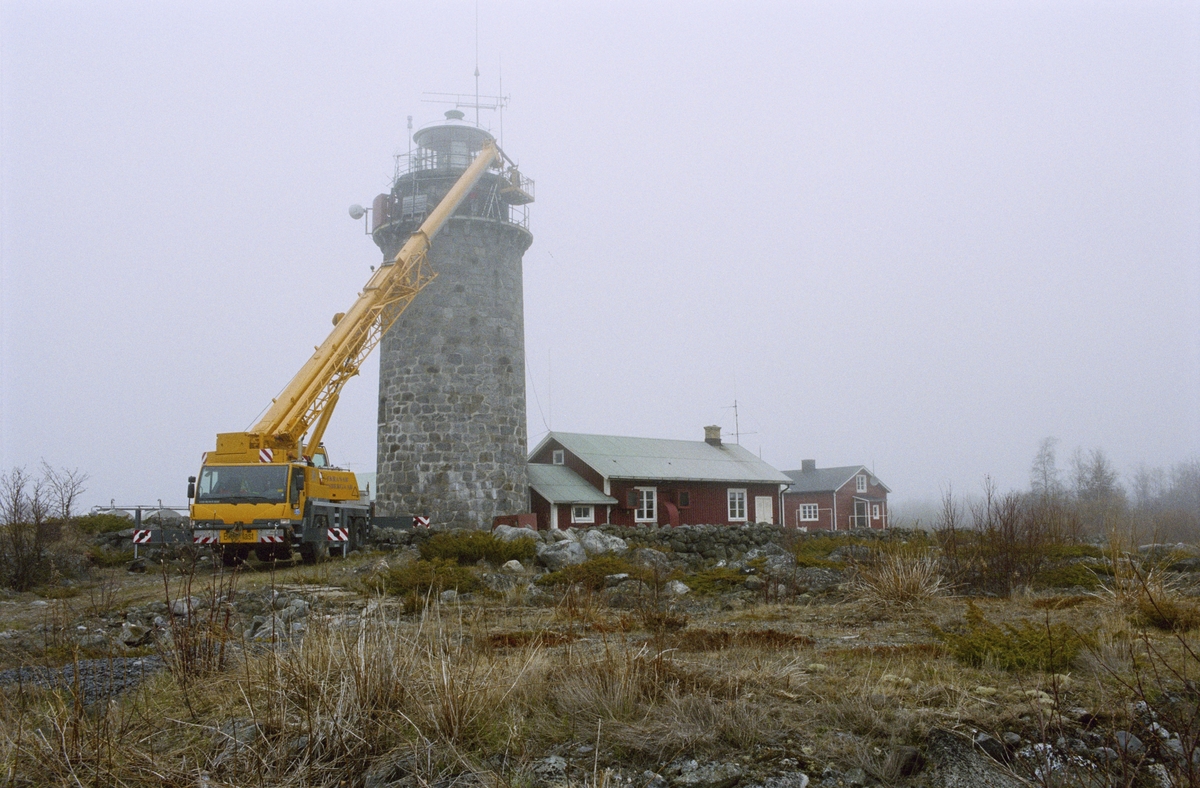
{"x":617,"y":457}
{"x":560,"y":484}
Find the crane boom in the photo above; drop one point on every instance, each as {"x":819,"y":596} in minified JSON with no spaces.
{"x":307,"y":402}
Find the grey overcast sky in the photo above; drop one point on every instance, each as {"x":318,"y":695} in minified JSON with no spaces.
{"x":919,"y":236}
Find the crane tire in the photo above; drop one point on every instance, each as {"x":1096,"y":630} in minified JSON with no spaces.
{"x":234,"y":556}
{"x":312,"y":552}
{"x":272,"y":552}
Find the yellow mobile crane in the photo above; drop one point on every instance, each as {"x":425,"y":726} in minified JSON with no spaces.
{"x":272,"y":488}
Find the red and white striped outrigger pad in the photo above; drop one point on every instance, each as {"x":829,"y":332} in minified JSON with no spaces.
{"x":420,"y":522}
{"x":338,"y":534}
{"x":266,"y":455}
{"x":141,"y":537}
{"x":204,"y":539}
{"x":271,"y":539}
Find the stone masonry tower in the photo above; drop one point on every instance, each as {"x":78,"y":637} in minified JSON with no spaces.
{"x":452,"y":438}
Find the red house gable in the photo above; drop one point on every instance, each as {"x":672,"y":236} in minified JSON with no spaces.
{"x":835,"y":498}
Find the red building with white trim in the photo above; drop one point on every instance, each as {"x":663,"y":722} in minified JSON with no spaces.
{"x":581,"y":480}
{"x":835,"y":499}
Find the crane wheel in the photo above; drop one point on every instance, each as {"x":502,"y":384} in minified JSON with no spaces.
{"x":234,"y":556}
{"x":272,"y":552}
{"x":312,"y":552}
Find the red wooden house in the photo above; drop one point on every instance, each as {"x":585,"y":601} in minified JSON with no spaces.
{"x":834,"y":498}
{"x":581,"y":480}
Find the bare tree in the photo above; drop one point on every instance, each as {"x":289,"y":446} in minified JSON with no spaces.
{"x":63,"y":488}
{"x":24,"y":506}
{"x":1044,"y":478}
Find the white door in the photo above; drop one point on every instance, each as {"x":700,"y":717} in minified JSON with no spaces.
{"x":764,"y":509}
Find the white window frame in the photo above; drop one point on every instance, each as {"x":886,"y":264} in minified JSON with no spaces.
{"x":647,"y":509}
{"x":735,"y":494}
{"x":875,"y":511}
{"x":808,"y":512}
{"x":558,"y":457}
{"x":576,"y":517}
{"x":860,"y":483}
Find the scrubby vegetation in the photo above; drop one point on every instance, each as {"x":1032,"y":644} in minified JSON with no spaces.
{"x":469,"y":547}
{"x":1025,"y":645}
{"x":592,"y":574}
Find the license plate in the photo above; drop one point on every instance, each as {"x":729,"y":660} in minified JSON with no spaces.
{"x":238,"y":537}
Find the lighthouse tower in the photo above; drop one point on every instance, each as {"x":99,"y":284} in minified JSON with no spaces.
{"x":452,"y":439}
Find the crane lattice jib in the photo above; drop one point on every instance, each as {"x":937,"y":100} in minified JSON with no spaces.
{"x":309,"y":398}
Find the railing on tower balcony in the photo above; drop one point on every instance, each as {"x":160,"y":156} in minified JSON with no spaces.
{"x":505,"y":197}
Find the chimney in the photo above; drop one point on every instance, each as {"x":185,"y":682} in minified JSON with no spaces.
{"x":712,"y":435}
{"x":808,"y":465}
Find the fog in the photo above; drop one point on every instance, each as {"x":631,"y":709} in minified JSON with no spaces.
{"x":917,"y":236}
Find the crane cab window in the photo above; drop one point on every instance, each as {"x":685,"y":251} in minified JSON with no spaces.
{"x":264,"y":483}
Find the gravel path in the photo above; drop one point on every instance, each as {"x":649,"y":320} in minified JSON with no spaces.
{"x":98,"y":679}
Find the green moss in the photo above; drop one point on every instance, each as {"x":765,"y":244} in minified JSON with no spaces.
{"x":1067,"y":576}
{"x":469,"y":547}
{"x":1027,"y":646}
{"x":1058,"y":552}
{"x":590,"y":574}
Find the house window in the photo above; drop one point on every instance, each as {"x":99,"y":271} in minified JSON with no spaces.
{"x":582,"y":514}
{"x":647,"y":505}
{"x":685,"y":499}
{"x":808,"y":511}
{"x":558,"y":457}
{"x":737,"y":505}
{"x":875,"y":512}
{"x":860,"y":483}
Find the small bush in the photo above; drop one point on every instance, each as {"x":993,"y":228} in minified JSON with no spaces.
{"x":813,"y":551}
{"x":469,"y":547}
{"x":591,"y":574}
{"x":1169,"y":613}
{"x":104,"y":556}
{"x":420,"y":576}
{"x":1026,"y":646}
{"x":102,"y":523}
{"x":718,"y":580}
{"x":1067,"y":576}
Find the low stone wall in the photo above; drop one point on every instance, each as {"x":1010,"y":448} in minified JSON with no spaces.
{"x":692,"y":544}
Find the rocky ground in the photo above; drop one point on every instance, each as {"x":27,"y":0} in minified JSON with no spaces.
{"x":716,"y":658}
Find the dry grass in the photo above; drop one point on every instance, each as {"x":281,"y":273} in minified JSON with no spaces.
{"x":482,"y":689}
{"x":901,"y":580}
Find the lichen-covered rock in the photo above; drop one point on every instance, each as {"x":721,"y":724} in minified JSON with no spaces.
{"x":600,"y":543}
{"x":711,"y":775}
{"x":651,"y":559}
{"x":560,"y":554}
{"x":508,"y":533}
